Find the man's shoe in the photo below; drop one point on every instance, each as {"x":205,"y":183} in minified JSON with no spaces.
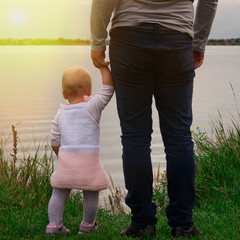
{"x":143,"y":233}
{"x":185,"y":233}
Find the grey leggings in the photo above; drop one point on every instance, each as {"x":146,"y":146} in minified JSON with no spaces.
{"x":59,"y":198}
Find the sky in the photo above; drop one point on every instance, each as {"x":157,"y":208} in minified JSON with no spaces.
{"x":70,"y":19}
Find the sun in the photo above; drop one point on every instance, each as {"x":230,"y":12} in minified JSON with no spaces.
{"x":18,"y":17}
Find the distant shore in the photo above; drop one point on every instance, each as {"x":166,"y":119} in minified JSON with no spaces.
{"x":63,"y":41}
{"x":43,"y":41}
{"x":232,"y":41}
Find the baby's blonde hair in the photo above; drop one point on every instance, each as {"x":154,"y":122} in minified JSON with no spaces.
{"x":76,"y":81}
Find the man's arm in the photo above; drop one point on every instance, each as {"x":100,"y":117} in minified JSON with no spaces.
{"x":205,"y":14}
{"x":100,"y":17}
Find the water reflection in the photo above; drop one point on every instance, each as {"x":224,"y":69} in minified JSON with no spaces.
{"x":30,"y":94}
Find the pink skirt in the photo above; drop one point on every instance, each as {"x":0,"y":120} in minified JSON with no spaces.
{"x":82,"y":171}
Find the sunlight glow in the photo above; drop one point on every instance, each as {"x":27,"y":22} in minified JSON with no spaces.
{"x":18,"y":17}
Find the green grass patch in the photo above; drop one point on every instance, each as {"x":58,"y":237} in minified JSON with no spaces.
{"x":218,"y":164}
{"x":217,"y":222}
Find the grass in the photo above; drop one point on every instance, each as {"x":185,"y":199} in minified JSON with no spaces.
{"x":218,"y":164}
{"x":215,"y":222}
{"x":24,"y":182}
{"x":25,"y":192}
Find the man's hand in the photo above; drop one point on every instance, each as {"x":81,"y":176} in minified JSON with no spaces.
{"x":198,"y":58}
{"x":98,"y":59}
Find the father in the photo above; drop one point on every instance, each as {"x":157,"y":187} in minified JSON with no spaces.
{"x":154,"y":48}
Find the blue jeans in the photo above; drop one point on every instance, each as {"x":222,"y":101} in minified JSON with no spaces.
{"x":159,"y":63}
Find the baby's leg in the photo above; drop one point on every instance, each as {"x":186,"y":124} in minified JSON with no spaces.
{"x":90,"y":206}
{"x":56,"y":205}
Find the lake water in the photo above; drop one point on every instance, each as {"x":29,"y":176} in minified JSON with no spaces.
{"x":30,"y":94}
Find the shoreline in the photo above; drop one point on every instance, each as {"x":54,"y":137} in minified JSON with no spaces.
{"x":80,"y":42}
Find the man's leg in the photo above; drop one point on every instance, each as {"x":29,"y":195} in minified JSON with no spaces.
{"x":173,"y":94}
{"x":175,"y":119}
{"x":134,"y":89}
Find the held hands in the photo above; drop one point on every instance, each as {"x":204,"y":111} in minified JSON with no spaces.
{"x":98,"y":59}
{"x":198,"y":58}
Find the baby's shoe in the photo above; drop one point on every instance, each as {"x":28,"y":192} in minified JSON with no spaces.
{"x":61,"y":229}
{"x":87,"y":227}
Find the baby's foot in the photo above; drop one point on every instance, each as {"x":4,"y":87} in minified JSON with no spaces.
{"x":61,"y":229}
{"x":87,"y":227}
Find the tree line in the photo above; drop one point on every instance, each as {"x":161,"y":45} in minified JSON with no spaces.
{"x":43,"y":41}
{"x":63,"y":41}
{"x":232,"y":41}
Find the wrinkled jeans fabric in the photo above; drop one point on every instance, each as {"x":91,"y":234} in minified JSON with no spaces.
{"x":157,"y":63}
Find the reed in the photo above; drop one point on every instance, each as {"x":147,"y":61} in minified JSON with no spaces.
{"x":160,"y":195}
{"x":115,"y":200}
{"x":24,"y":181}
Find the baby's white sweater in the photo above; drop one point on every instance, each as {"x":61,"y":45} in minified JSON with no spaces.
{"x":76,"y":126}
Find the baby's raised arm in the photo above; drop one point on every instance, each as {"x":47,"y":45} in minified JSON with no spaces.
{"x":101,"y":99}
{"x":106,"y":76}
